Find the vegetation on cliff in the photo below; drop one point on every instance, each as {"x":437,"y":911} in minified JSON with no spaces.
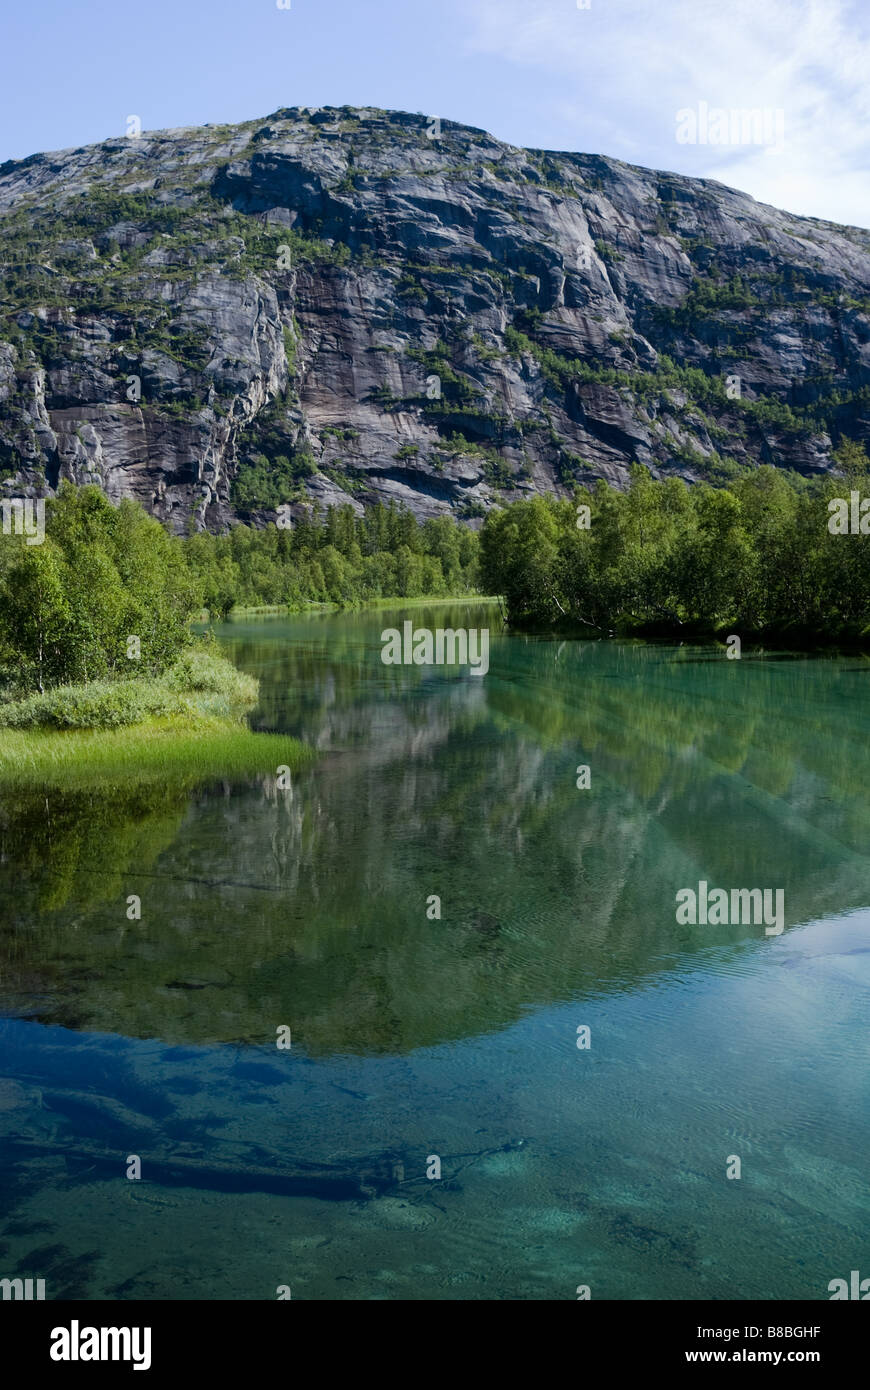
{"x":341,"y":305}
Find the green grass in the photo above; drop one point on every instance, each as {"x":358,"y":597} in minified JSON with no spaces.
{"x":184,"y":728}
{"x":282,"y":609}
{"x":201,"y":683}
{"x":262,"y":610}
{"x":453,"y":599}
{"x":167,"y":749}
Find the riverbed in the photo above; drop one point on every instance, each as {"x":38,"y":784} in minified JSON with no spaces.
{"x":513,"y":1073}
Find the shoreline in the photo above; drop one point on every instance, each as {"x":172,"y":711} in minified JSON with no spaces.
{"x":202,"y":738}
{"x":853,"y":642}
{"x":170,"y":751}
{"x":186,"y":726}
{"x":283,"y":610}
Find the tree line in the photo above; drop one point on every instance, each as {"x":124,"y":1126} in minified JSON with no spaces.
{"x":757,"y":555}
{"x":335,"y":557}
{"x":767,"y":553}
{"x":103,"y":575}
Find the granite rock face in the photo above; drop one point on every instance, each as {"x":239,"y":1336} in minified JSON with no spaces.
{"x":346,"y":305}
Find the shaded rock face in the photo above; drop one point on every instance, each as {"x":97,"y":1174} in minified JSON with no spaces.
{"x":350,"y":305}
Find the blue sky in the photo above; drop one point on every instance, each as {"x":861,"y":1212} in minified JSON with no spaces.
{"x":609,"y":79}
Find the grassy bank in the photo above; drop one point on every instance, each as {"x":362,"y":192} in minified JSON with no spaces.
{"x":201,"y":684}
{"x":373,"y":604}
{"x":165,"y":750}
{"x":186,"y":726}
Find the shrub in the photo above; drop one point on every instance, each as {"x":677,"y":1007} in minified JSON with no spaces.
{"x":101,"y":705}
{"x":200,"y":683}
{"x":202,"y":670}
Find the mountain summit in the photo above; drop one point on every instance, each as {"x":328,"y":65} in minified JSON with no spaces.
{"x":345,"y":305}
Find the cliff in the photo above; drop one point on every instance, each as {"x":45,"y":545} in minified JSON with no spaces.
{"x":347,"y":305}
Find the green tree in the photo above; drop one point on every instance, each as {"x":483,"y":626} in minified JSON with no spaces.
{"x":35,"y":617}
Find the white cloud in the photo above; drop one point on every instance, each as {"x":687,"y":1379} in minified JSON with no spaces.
{"x":623,"y":68}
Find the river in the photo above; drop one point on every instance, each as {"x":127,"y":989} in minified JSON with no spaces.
{"x":513,"y":1073}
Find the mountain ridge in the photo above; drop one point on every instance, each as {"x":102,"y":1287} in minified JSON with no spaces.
{"x":344,"y":305}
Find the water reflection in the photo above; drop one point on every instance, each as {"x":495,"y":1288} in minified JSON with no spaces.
{"x":454,"y":1036}
{"x":309,"y":905}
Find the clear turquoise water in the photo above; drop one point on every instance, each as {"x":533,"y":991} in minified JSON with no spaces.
{"x":457,"y":1038}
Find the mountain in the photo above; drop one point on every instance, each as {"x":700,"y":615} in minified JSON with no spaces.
{"x":350,"y":304}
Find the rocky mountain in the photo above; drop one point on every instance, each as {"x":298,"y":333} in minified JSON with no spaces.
{"x":346,"y":305}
